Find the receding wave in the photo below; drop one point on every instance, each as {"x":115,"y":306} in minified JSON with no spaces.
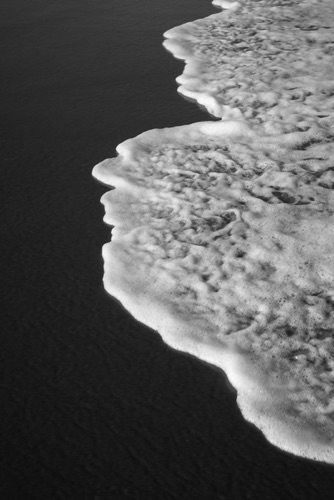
{"x":223,"y":237}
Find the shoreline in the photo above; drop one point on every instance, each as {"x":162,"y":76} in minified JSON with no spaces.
{"x":239,"y":127}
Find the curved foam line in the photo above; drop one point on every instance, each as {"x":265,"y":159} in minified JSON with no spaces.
{"x":303,"y":148}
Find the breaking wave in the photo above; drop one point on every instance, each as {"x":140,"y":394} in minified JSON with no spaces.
{"x":223,"y":237}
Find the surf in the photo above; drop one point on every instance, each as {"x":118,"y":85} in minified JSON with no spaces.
{"x":223,"y":231}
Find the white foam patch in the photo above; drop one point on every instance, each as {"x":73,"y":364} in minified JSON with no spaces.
{"x":224,"y":231}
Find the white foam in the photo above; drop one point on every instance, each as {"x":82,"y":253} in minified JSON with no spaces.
{"x":224,"y":230}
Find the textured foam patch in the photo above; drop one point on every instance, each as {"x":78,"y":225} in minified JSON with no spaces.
{"x":223,"y":237}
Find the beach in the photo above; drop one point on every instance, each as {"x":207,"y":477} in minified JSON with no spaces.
{"x":96,"y":406}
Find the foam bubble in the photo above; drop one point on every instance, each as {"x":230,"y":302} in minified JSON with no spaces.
{"x":223,"y":237}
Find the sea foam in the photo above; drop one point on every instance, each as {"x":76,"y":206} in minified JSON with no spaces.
{"x":223,"y":231}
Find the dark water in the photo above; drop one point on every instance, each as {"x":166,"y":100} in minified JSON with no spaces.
{"x":94,"y":405}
